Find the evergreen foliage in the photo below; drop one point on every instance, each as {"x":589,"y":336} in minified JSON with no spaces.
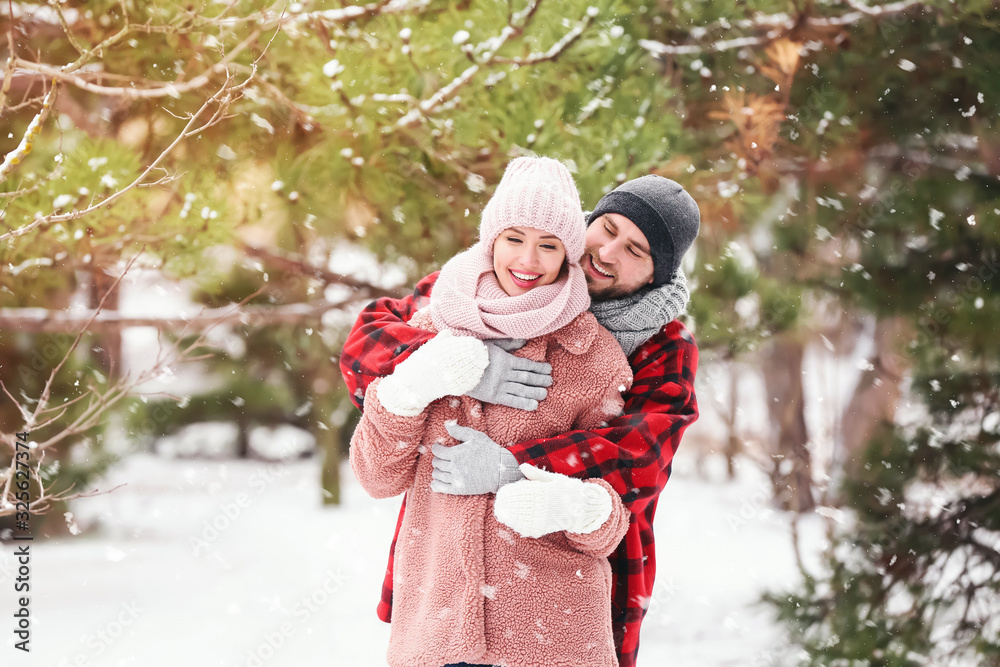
{"x":844,"y":155}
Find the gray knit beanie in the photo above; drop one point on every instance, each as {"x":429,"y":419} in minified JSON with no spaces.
{"x":663,"y":211}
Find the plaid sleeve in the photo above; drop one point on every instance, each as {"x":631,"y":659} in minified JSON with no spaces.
{"x":634,"y":454}
{"x":381,"y":338}
{"x":634,"y":451}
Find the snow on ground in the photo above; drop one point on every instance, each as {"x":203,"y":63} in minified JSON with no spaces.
{"x":236,"y":563}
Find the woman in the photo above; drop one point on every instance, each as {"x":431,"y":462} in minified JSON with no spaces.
{"x":468,"y":588}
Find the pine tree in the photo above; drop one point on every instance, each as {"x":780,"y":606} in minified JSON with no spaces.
{"x":888,"y":153}
{"x":166,"y":133}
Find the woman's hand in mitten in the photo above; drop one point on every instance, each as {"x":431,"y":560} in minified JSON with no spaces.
{"x":446,"y":365}
{"x":547,"y":502}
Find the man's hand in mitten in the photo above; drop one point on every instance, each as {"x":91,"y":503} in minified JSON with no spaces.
{"x":446,"y":365}
{"x":547,"y":502}
{"x":510,"y":380}
{"x":474,"y":466}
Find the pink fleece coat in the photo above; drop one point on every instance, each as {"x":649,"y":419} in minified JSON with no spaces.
{"x":466,"y":587}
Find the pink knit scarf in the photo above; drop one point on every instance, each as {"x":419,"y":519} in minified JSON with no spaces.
{"x":468,"y":299}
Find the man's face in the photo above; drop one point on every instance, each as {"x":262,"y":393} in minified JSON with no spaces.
{"x":617,"y":259}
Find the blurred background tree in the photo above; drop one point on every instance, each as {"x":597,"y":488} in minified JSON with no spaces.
{"x":845,"y":157}
{"x":853,"y":154}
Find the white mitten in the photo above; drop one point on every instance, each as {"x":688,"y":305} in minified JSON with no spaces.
{"x":547,"y":502}
{"x":446,"y":365}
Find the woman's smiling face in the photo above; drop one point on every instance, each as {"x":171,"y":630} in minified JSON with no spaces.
{"x":525,"y":258}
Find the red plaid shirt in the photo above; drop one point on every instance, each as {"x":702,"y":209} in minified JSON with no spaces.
{"x":634,"y":453}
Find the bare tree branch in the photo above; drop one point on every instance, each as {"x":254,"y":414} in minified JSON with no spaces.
{"x":42,"y":320}
{"x":99,"y":49}
{"x":99,"y":403}
{"x":11,"y":55}
{"x":70,"y":35}
{"x":300,"y":266}
{"x":157,"y":89}
{"x":47,"y":391}
{"x":21,"y":408}
{"x":45,"y":501}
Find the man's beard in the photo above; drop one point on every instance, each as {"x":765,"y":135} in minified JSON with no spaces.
{"x":607,"y":293}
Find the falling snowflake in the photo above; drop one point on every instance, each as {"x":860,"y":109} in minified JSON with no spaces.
{"x":332,"y":68}
{"x":936,"y":217}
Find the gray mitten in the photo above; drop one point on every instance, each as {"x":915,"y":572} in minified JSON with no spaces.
{"x":475,"y":466}
{"x":510,"y":380}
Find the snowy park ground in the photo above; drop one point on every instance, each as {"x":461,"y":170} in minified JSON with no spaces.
{"x":236,"y":563}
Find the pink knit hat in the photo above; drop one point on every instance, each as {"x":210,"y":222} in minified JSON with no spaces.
{"x":536,"y":192}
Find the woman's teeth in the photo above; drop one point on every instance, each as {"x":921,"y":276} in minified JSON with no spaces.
{"x":524,"y":276}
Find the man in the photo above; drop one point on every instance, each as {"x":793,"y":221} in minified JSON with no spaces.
{"x":636,"y":238}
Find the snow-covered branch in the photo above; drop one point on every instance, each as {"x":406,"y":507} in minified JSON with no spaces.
{"x":962,"y":162}
{"x":355,"y":12}
{"x":225,"y":96}
{"x":658,"y":49}
{"x":415,"y":115}
{"x":14,"y":158}
{"x":768,"y":28}
{"x":489,"y":58}
{"x":556,"y":49}
{"x":878,"y":11}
